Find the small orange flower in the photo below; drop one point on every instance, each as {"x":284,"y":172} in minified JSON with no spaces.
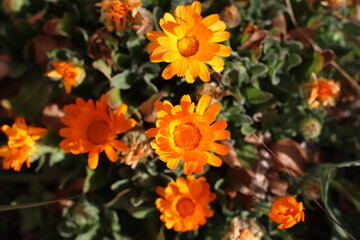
{"x":183,"y":204}
{"x":286,"y":212}
{"x":117,"y":13}
{"x":323,"y":92}
{"x":182,"y":134}
{"x":188,"y":42}
{"x":92,"y":128}
{"x":21,"y":143}
{"x":70,"y":74}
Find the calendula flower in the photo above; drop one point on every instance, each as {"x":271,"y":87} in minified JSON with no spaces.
{"x":286,"y":212}
{"x":116,"y":13}
{"x":21,"y":143}
{"x":183,"y":204}
{"x":92,"y":128}
{"x":323,"y":92}
{"x":188,"y":42}
{"x":182,"y":134}
{"x":70,"y":74}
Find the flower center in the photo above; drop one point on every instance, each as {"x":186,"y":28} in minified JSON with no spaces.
{"x":98,"y":132}
{"x":20,"y":139}
{"x":119,"y":8}
{"x":185,"y":207}
{"x":188,"y":46}
{"x":187,"y":136}
{"x":71,"y":74}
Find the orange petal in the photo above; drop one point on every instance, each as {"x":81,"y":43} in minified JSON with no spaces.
{"x":93,"y":159}
{"x":173,"y":163}
{"x":151,"y":132}
{"x":219,"y":125}
{"x":204,"y":72}
{"x":213,"y":160}
{"x":219,"y":149}
{"x":220,"y":36}
{"x":119,"y":145}
{"x":221,"y":134}
{"x":110,"y":153}
{"x":203,"y":104}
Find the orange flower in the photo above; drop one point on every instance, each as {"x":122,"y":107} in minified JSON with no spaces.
{"x":323,"y":92}
{"x":188,"y":42}
{"x":116,"y":13}
{"x":183,"y":204}
{"x":21,"y":143}
{"x":70,"y":74}
{"x":286,"y":212}
{"x":182,"y":134}
{"x":92,"y":128}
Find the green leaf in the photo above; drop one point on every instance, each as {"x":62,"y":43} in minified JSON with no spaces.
{"x":140,"y":212}
{"x":258,"y":70}
{"x":292,"y":60}
{"x":32,"y":97}
{"x":102,"y":67}
{"x":89,"y":174}
{"x":247,"y":129}
{"x":255,"y":96}
{"x":293,"y":46}
{"x":17,"y":69}
{"x":121,"y":80}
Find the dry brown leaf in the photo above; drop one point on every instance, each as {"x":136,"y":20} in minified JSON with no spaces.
{"x":277,"y":186}
{"x":51,"y":27}
{"x":254,"y":43}
{"x":289,"y":153}
{"x":51,"y":116}
{"x":327,"y":56}
{"x":250,"y":182}
{"x":4,"y":65}
{"x":42,"y":43}
{"x":300,"y":33}
{"x":231,"y":159}
{"x":279,"y":22}
{"x":37,"y":17}
{"x":147,"y":108}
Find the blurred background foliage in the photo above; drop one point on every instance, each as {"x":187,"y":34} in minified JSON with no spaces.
{"x":260,"y":91}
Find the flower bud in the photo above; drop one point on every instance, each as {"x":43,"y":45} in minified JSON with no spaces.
{"x":310,"y":128}
{"x":230,"y":15}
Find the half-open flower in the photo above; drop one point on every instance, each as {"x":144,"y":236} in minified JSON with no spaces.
{"x":287,"y":212}
{"x":323,"y":92}
{"x":70,"y":74}
{"x":21,"y":143}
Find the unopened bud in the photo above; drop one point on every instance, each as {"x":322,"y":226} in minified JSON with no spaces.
{"x":310,"y":128}
{"x":230,"y":15}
